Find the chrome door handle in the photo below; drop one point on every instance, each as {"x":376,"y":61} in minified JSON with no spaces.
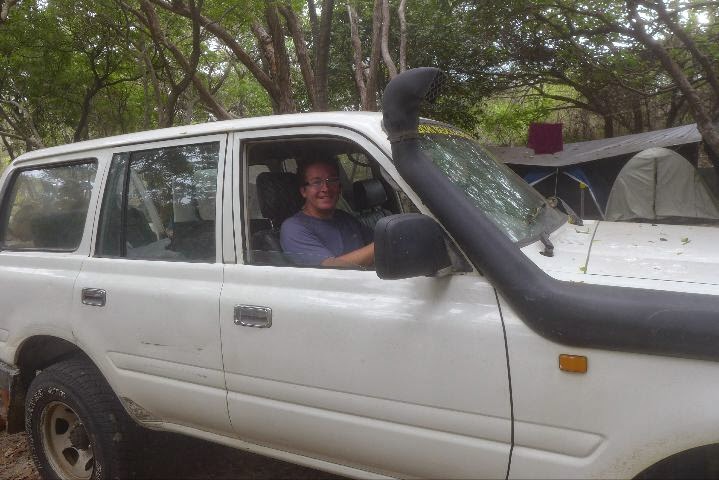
{"x":253,"y":316}
{"x":95,"y":297}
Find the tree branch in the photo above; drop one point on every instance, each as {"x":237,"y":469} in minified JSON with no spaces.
{"x":402,"y":36}
{"x":391,"y":68}
{"x":357,"y":56}
{"x":303,"y":57}
{"x":5,"y":6}
{"x":229,"y":40}
{"x":689,"y":43}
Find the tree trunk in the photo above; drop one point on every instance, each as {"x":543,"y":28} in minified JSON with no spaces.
{"x":322,"y":56}
{"x":303,"y":56}
{"x":675,"y":109}
{"x":5,"y":6}
{"x":8,"y":147}
{"x":21,"y":122}
{"x":357,"y":57}
{"x":638,"y":114}
{"x":608,"y":126}
{"x":701,"y":59}
{"x":284,"y":102}
{"x":375,"y":56}
{"x":210,"y":101}
{"x":314,"y":25}
{"x":386,"y":56}
{"x":402,"y":36}
{"x":272,"y":88}
{"x":81,"y":131}
{"x":708,"y":130}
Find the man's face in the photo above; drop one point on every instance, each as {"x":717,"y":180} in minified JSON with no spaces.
{"x":321,"y":198}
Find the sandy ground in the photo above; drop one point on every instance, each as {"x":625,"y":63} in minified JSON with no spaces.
{"x":167,"y":456}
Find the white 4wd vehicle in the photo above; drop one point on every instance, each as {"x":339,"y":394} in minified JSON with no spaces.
{"x":141,"y":283}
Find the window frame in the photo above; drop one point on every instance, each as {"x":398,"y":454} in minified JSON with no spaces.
{"x":221,"y":138}
{"x":9,"y":184}
{"x":241,"y":220}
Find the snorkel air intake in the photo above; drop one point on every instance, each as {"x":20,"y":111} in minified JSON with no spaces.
{"x":577,"y":314}
{"x":403,"y":97}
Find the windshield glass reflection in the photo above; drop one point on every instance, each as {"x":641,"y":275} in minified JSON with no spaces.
{"x":514,"y":206}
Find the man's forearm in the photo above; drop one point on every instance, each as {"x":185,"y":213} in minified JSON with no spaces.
{"x":363,"y":257}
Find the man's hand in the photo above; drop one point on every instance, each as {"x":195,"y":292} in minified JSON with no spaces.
{"x":363,"y":257}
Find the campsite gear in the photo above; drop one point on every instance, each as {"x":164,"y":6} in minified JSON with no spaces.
{"x":659,"y":185}
{"x":545,"y":137}
{"x":566,"y":184}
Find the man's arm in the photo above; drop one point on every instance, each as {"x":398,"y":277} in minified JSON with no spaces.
{"x":363,"y":257}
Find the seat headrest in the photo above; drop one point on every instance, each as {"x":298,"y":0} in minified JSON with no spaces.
{"x":279,"y":195}
{"x":368,"y":194}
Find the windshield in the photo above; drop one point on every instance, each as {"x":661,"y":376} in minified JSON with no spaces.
{"x":514,"y":206}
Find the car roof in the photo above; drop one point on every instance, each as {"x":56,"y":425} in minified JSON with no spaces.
{"x":369,"y":123}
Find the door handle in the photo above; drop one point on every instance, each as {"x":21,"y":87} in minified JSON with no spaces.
{"x":253,"y":316}
{"x":95,"y":297}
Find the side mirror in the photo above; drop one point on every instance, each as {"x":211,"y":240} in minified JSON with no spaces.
{"x":409,"y":245}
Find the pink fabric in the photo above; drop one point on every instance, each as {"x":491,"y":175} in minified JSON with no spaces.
{"x":545,"y":137}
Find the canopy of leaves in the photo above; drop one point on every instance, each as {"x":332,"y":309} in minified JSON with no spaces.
{"x":72,"y":70}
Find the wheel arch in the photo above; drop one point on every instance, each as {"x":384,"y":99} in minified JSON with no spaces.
{"x":40,"y":351}
{"x":34,"y":353}
{"x":697,"y":462}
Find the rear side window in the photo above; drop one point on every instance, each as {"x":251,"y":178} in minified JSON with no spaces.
{"x":160,"y":204}
{"x":46,"y":207}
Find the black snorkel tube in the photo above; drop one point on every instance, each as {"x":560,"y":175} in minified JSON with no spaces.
{"x":576,"y":314}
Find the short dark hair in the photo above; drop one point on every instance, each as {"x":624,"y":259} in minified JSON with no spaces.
{"x":304,"y":165}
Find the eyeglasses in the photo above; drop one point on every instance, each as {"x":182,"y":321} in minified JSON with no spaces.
{"x":317,"y":183}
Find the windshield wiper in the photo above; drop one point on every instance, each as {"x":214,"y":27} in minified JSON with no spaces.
{"x":531,"y":218}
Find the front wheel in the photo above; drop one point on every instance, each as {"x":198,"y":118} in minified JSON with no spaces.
{"x":76,"y":426}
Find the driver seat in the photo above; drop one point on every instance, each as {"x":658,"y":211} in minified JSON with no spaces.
{"x":279,"y":198}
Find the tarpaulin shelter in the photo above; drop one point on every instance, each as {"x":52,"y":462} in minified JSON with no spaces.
{"x":660,"y":185}
{"x":600,"y":161}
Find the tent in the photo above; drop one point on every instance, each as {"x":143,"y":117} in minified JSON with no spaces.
{"x":658,"y":184}
{"x":599,"y":162}
{"x":573,"y":185}
{"x":615,"y":147}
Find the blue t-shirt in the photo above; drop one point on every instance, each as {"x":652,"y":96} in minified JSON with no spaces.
{"x":309,"y":240}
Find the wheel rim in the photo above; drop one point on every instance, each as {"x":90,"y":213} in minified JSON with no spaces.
{"x":66,"y":442}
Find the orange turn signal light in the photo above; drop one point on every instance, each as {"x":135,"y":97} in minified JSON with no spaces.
{"x":573,"y":363}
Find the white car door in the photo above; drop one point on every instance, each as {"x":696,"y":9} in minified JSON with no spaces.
{"x":405,"y":377}
{"x":44,"y":237}
{"x":147,"y":297}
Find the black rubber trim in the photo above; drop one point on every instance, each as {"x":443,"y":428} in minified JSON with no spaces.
{"x":577,"y":314}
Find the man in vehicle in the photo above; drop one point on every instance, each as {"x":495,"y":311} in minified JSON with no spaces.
{"x":320,"y":234}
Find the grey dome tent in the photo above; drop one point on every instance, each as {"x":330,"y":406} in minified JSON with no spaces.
{"x":658,"y":184}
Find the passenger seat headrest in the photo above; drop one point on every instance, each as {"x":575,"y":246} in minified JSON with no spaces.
{"x":368,"y":194}
{"x":279,"y":196}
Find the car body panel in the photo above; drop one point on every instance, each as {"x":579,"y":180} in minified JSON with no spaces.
{"x":362,"y":376}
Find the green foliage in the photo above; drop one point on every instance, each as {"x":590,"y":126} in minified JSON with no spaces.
{"x":64,"y":61}
{"x":505,"y":120}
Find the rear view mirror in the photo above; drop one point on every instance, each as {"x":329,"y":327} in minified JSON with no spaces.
{"x":409,"y":245}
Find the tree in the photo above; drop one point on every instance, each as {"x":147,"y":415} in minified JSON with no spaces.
{"x":5,"y":6}
{"x":272,"y":65}
{"x":167,"y":102}
{"x":367,"y":69}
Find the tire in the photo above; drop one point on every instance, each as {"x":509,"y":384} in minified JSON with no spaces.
{"x":77,"y":429}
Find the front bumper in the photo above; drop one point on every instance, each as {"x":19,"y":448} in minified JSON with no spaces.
{"x":12,"y":398}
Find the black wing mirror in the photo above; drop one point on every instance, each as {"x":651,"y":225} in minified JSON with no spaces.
{"x":409,"y":245}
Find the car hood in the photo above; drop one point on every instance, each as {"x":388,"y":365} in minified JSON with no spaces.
{"x":634,"y":254}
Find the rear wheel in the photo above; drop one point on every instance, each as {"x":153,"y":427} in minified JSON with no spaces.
{"x":76,"y":426}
